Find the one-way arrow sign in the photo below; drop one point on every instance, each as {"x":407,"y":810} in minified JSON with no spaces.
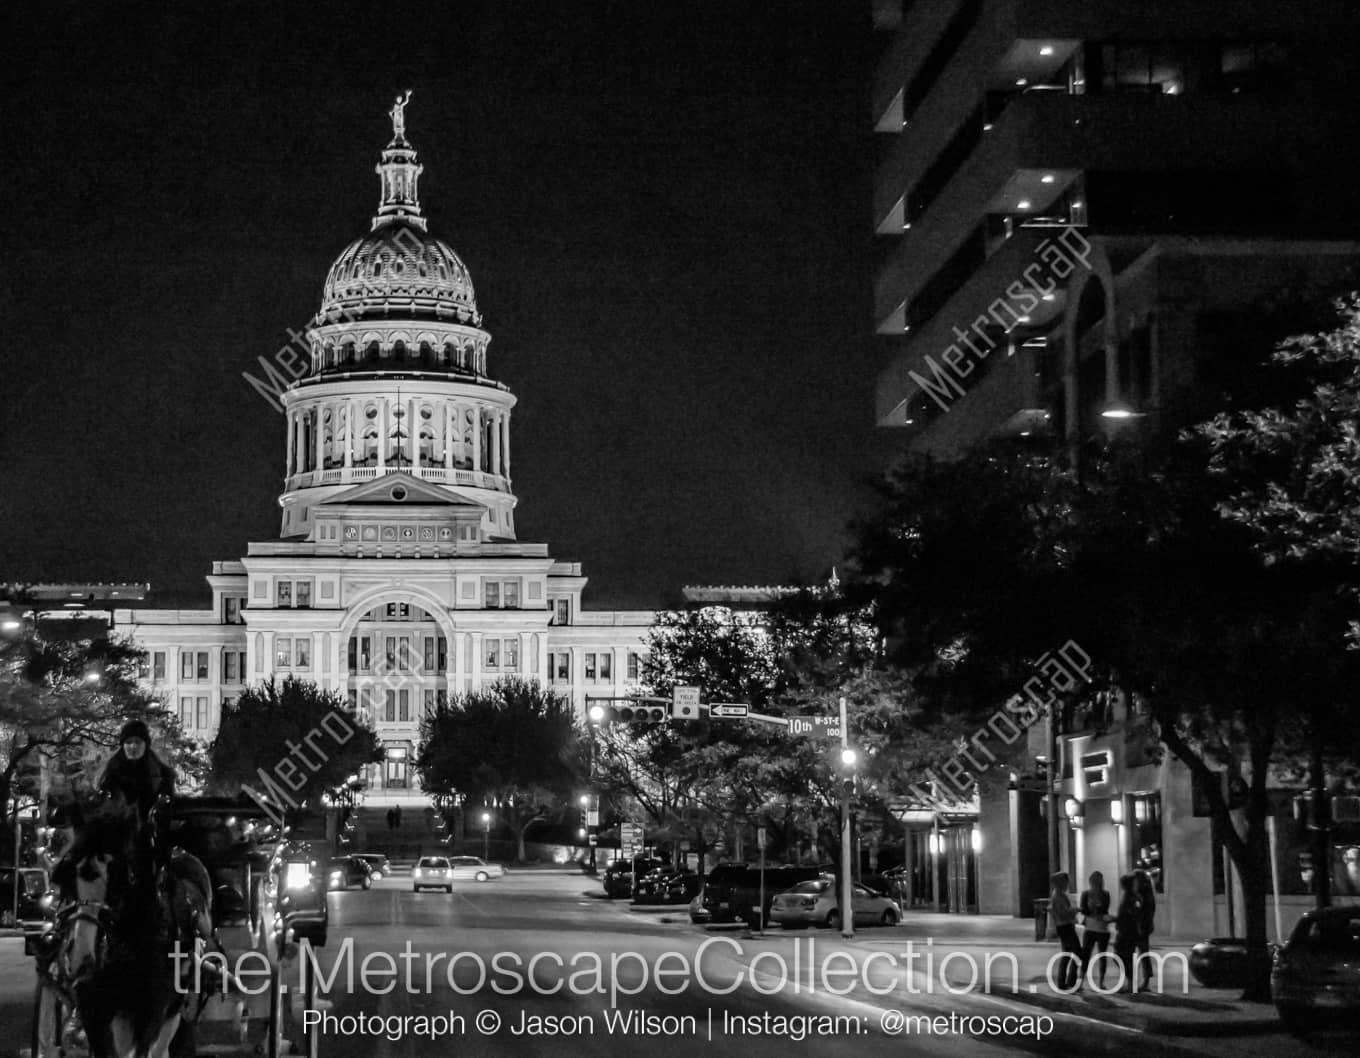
{"x":730,"y":709}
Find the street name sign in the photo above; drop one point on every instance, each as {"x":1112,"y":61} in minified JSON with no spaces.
{"x":729,"y":709}
{"x":816,"y":726}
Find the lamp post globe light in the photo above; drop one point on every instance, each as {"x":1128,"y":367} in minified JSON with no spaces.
{"x":486,"y":836}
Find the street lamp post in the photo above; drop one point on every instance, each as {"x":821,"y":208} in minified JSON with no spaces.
{"x":595,"y":715}
{"x":486,"y":836}
{"x":848,"y":758}
{"x":591,"y":867}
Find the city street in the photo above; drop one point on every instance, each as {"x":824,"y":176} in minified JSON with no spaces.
{"x":720,"y":991}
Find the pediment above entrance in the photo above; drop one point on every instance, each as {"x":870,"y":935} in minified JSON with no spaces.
{"x":397,"y":515}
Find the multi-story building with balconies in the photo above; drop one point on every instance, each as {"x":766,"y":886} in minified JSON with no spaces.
{"x":1073,"y":197}
{"x":1075,"y":206}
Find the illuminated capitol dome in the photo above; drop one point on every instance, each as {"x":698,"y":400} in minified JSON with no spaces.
{"x":398,"y":378}
{"x":397,"y":580}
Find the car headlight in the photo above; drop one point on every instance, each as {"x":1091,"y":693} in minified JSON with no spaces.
{"x":297,"y":876}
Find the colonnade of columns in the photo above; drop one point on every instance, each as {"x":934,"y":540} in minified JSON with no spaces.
{"x":340,"y":433}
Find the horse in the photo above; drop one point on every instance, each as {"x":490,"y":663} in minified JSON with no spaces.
{"x":125,"y":916}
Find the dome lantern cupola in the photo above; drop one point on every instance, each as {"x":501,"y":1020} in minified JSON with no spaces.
{"x":400,"y":172}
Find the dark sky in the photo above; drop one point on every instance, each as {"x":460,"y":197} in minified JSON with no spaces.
{"x":664,"y":207}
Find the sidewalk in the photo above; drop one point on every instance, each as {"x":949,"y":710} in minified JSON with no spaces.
{"x":1177,"y":1006}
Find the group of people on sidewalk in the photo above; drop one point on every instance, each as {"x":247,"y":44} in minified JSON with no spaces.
{"x":1132,"y":922}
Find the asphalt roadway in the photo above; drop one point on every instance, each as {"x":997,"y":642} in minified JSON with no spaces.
{"x":538,"y":963}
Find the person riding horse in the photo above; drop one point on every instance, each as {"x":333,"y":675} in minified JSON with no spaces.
{"x":130,"y":902}
{"x":135,"y":773}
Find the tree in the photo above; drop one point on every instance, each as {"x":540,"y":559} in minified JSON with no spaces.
{"x":514,"y":744}
{"x":802,"y":653}
{"x":1292,"y":470}
{"x":980,"y":566}
{"x":293,"y":741}
{"x":66,"y":688}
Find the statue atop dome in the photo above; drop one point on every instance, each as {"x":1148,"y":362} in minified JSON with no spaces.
{"x":398,"y":115}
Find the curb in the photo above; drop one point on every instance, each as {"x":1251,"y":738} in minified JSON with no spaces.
{"x":1154,"y":1022}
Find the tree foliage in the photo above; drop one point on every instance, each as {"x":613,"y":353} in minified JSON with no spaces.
{"x":305,"y":739}
{"x":1293,"y":469}
{"x":700,"y":779}
{"x":65,"y":691}
{"x":514,"y":745}
{"x":1208,"y":578}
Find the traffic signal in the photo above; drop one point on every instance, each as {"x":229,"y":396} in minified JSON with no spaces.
{"x":639,"y":711}
{"x":630,"y":713}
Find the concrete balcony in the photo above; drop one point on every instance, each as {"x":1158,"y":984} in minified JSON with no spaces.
{"x":1053,"y":132}
{"x":972,"y":300}
{"x":916,"y":35}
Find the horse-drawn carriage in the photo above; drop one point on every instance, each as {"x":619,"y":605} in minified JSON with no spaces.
{"x":143,"y":954}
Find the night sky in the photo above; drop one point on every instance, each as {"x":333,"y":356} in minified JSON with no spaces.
{"x":664,"y":207}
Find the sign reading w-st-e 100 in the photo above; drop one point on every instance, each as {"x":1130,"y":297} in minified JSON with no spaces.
{"x":816,"y":726}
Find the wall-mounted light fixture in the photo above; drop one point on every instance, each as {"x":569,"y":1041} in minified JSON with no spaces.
{"x":1117,"y":811}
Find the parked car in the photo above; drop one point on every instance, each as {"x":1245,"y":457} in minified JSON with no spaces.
{"x":378,"y":865}
{"x":473,"y":868}
{"x":1315,"y":977}
{"x":666,"y":885}
{"x":732,"y":890}
{"x":432,"y":872}
{"x":817,"y":903}
{"x":619,"y":874}
{"x":345,"y":872}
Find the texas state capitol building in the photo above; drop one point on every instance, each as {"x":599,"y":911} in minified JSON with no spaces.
{"x":396,"y":579}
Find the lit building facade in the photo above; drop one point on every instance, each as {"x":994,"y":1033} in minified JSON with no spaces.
{"x":397,"y":579}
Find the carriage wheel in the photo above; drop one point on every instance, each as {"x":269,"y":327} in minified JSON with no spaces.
{"x":49,"y":1019}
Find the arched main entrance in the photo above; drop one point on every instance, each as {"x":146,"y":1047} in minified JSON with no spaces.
{"x":397,"y":656}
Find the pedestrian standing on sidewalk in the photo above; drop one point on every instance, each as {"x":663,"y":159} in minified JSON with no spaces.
{"x":1065,"y":922}
{"x":1147,"y":901}
{"x":1127,"y":926}
{"x":1096,"y":918}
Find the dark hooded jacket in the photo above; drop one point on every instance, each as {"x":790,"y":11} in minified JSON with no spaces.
{"x":138,"y":782}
